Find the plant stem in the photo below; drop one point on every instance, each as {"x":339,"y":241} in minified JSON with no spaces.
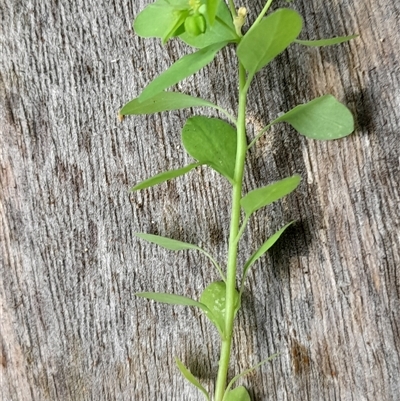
{"x":242,"y":227}
{"x":260,"y":134}
{"x":232,"y":8}
{"x":233,"y":243}
{"x":215,"y":263}
{"x":261,"y":15}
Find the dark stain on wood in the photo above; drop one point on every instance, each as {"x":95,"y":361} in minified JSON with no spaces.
{"x":3,"y":356}
{"x":299,"y":357}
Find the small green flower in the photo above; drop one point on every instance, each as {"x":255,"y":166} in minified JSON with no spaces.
{"x":195,"y":25}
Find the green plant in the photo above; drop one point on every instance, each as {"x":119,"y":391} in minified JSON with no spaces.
{"x":209,"y":26}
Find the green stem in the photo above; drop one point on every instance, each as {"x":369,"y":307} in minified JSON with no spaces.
{"x":233,"y":243}
{"x":217,"y":266}
{"x":232,"y":382}
{"x":260,"y":134}
{"x":242,"y":227}
{"x":222,"y":110}
{"x":261,"y":15}
{"x":232,"y":8}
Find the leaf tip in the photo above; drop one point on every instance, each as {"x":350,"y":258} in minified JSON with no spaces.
{"x":138,"y":235}
{"x":298,"y":176}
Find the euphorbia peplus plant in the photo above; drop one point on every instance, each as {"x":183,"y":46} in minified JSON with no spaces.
{"x":209,"y":26}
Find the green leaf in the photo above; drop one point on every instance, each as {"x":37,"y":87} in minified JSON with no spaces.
{"x":325,"y":42}
{"x":160,"y":14}
{"x":268,"y":38}
{"x":164,"y":176}
{"x":262,"y":250}
{"x":264,"y":196}
{"x":222,"y":30}
{"x":189,"y":376}
{"x":160,"y":19}
{"x":323,"y":118}
{"x":176,"y":28}
{"x":175,"y":245}
{"x":212,"y":7}
{"x":166,"y":243}
{"x":183,"y":68}
{"x":238,"y":394}
{"x":214,"y":297}
{"x":213,"y":142}
{"x":247,"y":371}
{"x":164,"y":101}
{"x":171,"y":299}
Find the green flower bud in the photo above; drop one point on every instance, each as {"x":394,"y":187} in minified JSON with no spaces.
{"x":203,"y":9}
{"x":195,"y":25}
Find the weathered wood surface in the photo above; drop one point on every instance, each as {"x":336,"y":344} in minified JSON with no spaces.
{"x":326,"y":297}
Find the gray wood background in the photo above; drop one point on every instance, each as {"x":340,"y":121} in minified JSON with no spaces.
{"x":326,"y":297}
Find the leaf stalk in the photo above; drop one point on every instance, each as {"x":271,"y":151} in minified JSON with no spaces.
{"x":261,"y":15}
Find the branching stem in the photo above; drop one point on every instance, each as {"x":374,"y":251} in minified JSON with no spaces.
{"x":242,"y":228}
{"x":233,"y":243}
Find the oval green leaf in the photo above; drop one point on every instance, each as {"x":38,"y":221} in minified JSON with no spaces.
{"x":325,"y":42}
{"x":268,"y":38}
{"x":261,"y":251}
{"x":187,"y":374}
{"x":183,"y":68}
{"x":164,"y":101}
{"x":155,"y":20}
{"x":166,"y":243}
{"x":323,"y":118}
{"x":238,"y":394}
{"x":164,"y":176}
{"x":214,"y":297}
{"x":161,"y":19}
{"x":213,"y":142}
{"x":264,"y":196}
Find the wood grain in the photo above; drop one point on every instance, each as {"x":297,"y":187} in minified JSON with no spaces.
{"x":327,"y":297}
